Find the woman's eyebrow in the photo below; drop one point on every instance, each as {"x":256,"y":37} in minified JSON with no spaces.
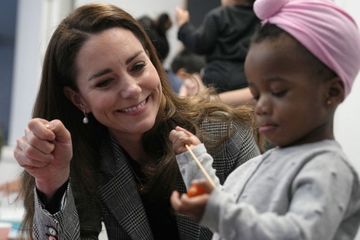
{"x":108,"y":70}
{"x":133,"y":56}
{"x":100,"y":73}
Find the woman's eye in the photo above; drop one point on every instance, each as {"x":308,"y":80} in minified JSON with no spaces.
{"x":138,"y":67}
{"x":103,"y":83}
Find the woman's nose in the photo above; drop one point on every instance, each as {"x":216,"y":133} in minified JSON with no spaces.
{"x":130,"y":88}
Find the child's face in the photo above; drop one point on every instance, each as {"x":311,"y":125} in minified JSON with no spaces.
{"x":290,"y":97}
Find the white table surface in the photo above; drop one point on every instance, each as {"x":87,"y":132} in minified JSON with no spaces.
{"x":11,"y":210}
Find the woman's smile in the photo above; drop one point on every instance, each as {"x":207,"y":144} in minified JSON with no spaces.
{"x":135,"y":109}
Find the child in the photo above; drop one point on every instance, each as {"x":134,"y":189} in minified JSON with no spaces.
{"x":188,"y":67}
{"x":223,"y":38}
{"x":301,"y":65}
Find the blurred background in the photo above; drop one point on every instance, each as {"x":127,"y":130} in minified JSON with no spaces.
{"x":27,"y":25}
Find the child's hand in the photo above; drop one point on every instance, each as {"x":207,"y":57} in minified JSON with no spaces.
{"x":182,"y":16}
{"x":192,"y":205}
{"x":199,"y":187}
{"x":181,"y":137}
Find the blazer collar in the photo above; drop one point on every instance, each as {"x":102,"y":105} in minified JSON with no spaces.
{"x":117,"y":193}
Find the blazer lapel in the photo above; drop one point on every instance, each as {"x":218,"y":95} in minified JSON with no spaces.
{"x":119,"y":195}
{"x":188,"y":229}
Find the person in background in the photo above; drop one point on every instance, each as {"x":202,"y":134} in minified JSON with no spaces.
{"x":157,"y":31}
{"x":236,"y":97}
{"x":97,"y":148}
{"x":305,"y":188}
{"x":188,"y":67}
{"x":223,"y":38}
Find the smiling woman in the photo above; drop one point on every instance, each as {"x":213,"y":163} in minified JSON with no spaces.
{"x":97,"y":149}
{"x":113,"y":66}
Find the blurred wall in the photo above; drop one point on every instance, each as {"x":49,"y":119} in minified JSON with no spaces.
{"x":347,"y":118}
{"x":137,"y":8}
{"x":26,"y":65}
{"x":8,"y":12}
{"x":36,"y":20}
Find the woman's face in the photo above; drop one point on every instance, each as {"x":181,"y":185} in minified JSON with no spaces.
{"x":118,"y":84}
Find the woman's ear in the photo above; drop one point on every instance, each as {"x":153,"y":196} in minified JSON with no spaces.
{"x":335,"y":91}
{"x":75,"y":98}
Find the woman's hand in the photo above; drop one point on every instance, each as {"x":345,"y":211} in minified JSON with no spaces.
{"x":180,"y":137}
{"x":45,"y":152}
{"x":192,"y":205}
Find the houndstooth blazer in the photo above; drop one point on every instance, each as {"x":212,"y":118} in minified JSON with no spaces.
{"x":122,"y":210}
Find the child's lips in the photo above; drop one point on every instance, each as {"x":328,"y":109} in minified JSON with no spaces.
{"x":265,"y":128}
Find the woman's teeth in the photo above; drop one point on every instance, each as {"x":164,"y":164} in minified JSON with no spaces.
{"x":134,"y":108}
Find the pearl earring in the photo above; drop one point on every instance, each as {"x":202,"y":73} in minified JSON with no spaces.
{"x":85,"y":120}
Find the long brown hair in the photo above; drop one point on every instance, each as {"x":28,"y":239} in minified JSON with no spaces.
{"x":59,"y":70}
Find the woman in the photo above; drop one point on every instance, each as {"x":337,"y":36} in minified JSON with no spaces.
{"x":97,"y":149}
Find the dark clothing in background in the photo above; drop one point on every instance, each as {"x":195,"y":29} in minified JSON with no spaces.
{"x":224,"y":39}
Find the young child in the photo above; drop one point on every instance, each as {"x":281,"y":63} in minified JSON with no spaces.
{"x":223,"y":38}
{"x":301,"y":65}
{"x":188,"y":67}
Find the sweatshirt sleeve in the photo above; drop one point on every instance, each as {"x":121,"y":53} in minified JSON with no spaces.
{"x":201,"y":40}
{"x":320,"y":197}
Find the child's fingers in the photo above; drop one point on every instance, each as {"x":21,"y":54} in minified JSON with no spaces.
{"x":179,"y":136}
{"x":205,"y":184}
{"x":175,"y":200}
{"x":190,"y":137}
{"x":172,"y":135}
{"x":178,"y":128}
{"x":179,"y":147}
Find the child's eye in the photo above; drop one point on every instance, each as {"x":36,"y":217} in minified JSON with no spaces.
{"x":279,"y":93}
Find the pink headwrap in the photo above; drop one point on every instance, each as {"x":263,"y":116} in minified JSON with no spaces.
{"x":326,"y":30}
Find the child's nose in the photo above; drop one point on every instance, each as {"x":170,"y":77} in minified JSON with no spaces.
{"x":262,"y":106}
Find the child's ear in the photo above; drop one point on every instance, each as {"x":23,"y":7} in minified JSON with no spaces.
{"x":335,"y":91}
{"x":75,"y":98}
